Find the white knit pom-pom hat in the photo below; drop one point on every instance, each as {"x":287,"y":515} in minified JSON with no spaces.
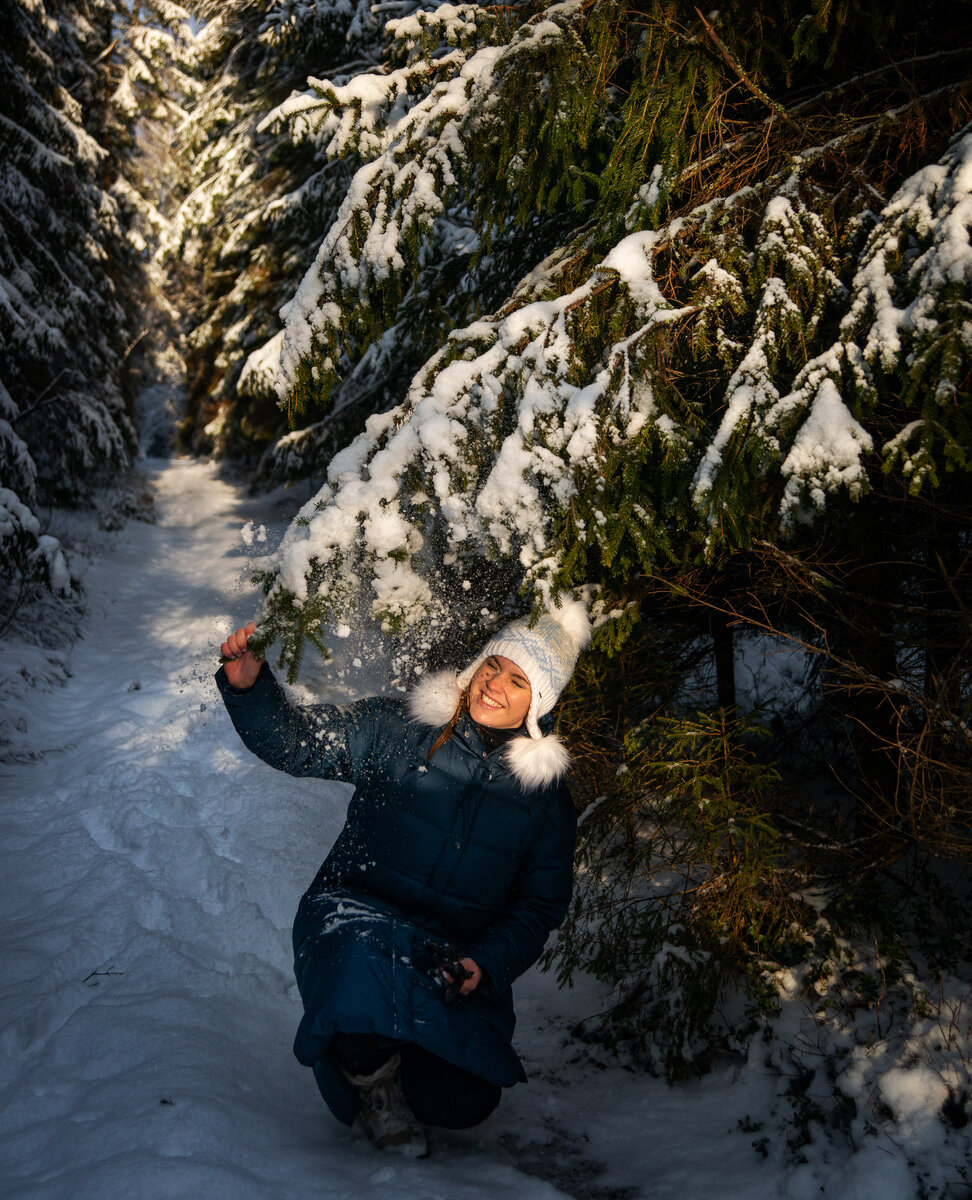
{"x":546,"y":652}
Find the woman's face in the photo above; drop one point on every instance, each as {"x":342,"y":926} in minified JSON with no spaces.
{"x":499,"y":695}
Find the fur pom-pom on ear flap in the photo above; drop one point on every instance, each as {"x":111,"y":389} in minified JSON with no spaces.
{"x":537,"y":762}
{"x":435,"y":699}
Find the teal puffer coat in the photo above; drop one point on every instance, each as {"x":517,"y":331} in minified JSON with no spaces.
{"x":469,"y":849}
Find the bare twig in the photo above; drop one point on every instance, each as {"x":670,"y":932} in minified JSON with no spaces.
{"x":42,"y":400}
{"x":773,"y":105}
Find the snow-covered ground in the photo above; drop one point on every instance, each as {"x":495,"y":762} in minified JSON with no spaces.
{"x":149,"y":869}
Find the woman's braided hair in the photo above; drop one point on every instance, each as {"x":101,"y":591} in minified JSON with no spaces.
{"x":447,"y":733}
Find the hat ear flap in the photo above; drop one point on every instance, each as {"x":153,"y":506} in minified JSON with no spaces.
{"x":465,"y":677}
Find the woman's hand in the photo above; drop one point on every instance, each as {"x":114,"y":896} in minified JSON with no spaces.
{"x":473,"y":976}
{"x":241,"y":665}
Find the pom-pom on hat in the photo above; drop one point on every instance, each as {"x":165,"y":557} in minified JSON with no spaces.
{"x":545,"y":651}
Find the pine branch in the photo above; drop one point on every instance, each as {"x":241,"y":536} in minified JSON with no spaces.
{"x":44,"y":399}
{"x":895,"y":66}
{"x":776,"y":108}
{"x":821,"y":99}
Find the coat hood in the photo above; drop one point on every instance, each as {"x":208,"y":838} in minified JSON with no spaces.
{"x":533,"y":762}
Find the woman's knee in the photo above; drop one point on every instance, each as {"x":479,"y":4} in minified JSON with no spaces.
{"x":439,"y":1093}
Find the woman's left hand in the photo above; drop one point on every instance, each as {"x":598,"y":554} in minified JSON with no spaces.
{"x":472,"y":979}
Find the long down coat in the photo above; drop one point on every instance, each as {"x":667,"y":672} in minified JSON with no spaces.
{"x":469,"y":849}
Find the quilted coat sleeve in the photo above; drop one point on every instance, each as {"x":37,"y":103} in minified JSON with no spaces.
{"x":538,"y":902}
{"x":324,"y":740}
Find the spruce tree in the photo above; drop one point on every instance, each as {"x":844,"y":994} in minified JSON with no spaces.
{"x":75,"y":240}
{"x":66,"y":415}
{"x":256,"y":197}
{"x":700,"y":363}
{"x":271,"y":181}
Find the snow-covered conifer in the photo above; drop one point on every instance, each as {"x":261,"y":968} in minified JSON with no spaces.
{"x":727,"y":391}
{"x":257,"y":200}
{"x":63,"y":330}
{"x":76,"y":225}
{"x":681,"y":374}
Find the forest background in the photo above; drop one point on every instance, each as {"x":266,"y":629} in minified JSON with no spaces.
{"x":664,"y":306}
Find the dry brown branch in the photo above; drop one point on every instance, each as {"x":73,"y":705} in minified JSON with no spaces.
{"x":748,"y":82}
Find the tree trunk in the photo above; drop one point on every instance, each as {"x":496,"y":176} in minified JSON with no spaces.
{"x":722,"y":643}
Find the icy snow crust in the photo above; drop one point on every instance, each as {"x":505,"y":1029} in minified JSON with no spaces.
{"x":149,"y":869}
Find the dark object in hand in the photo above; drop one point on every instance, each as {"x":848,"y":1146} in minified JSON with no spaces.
{"x":446,"y":969}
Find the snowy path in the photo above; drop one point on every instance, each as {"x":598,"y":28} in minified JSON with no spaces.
{"x":149,"y":869}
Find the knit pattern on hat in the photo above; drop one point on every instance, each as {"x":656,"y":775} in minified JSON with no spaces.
{"x":545,"y":651}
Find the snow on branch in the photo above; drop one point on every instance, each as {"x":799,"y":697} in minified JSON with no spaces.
{"x":505,"y":429}
{"x":919,"y":252}
{"x":793,"y":283}
{"x":493,"y":440}
{"x":26,"y":554}
{"x":910,"y":318}
{"x":907,"y":319}
{"x":413,"y":127}
{"x":718,"y":378}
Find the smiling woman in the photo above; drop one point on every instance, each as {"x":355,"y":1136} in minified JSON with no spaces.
{"x":455,"y":864}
